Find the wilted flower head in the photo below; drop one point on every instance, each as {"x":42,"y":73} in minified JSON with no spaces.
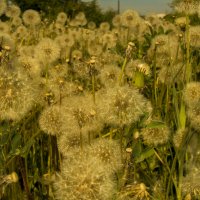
{"x":83,"y":178}
{"x":31,"y":17}
{"x":137,"y":65}
{"x":134,"y":191}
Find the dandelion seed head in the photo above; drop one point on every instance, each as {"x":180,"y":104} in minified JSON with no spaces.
{"x":171,"y":74}
{"x":123,"y":105}
{"x":117,"y":20}
{"x":104,"y":27}
{"x":191,"y":184}
{"x":17,"y":95}
{"x":65,"y":40}
{"x":94,"y":49}
{"x":62,"y":17}
{"x":187,"y":7}
{"x":179,"y":136}
{"x":109,"y":75}
{"x":192,"y":93}
{"x":31,"y":17}
{"x":3,"y":7}
{"x":4,"y":27}
{"x":130,"y":18}
{"x":195,"y":36}
{"x":16,"y":21}
{"x":155,"y":136}
{"x":51,"y":120}
{"x":30,"y":66}
{"x":13,"y":11}
{"x":91,"y":25}
{"x":194,"y":115}
{"x":108,"y":151}
{"x":6,"y":40}
{"x":47,"y":50}
{"x":84,"y":178}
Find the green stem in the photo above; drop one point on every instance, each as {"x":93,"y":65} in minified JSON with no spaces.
{"x":122,"y":71}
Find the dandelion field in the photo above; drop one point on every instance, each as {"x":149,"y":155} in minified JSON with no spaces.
{"x":108,"y":112}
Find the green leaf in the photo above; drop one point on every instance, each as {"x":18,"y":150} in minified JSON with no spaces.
{"x":145,"y":154}
{"x":156,"y":124}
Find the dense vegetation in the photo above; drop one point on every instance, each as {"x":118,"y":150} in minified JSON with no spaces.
{"x":99,"y":110}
